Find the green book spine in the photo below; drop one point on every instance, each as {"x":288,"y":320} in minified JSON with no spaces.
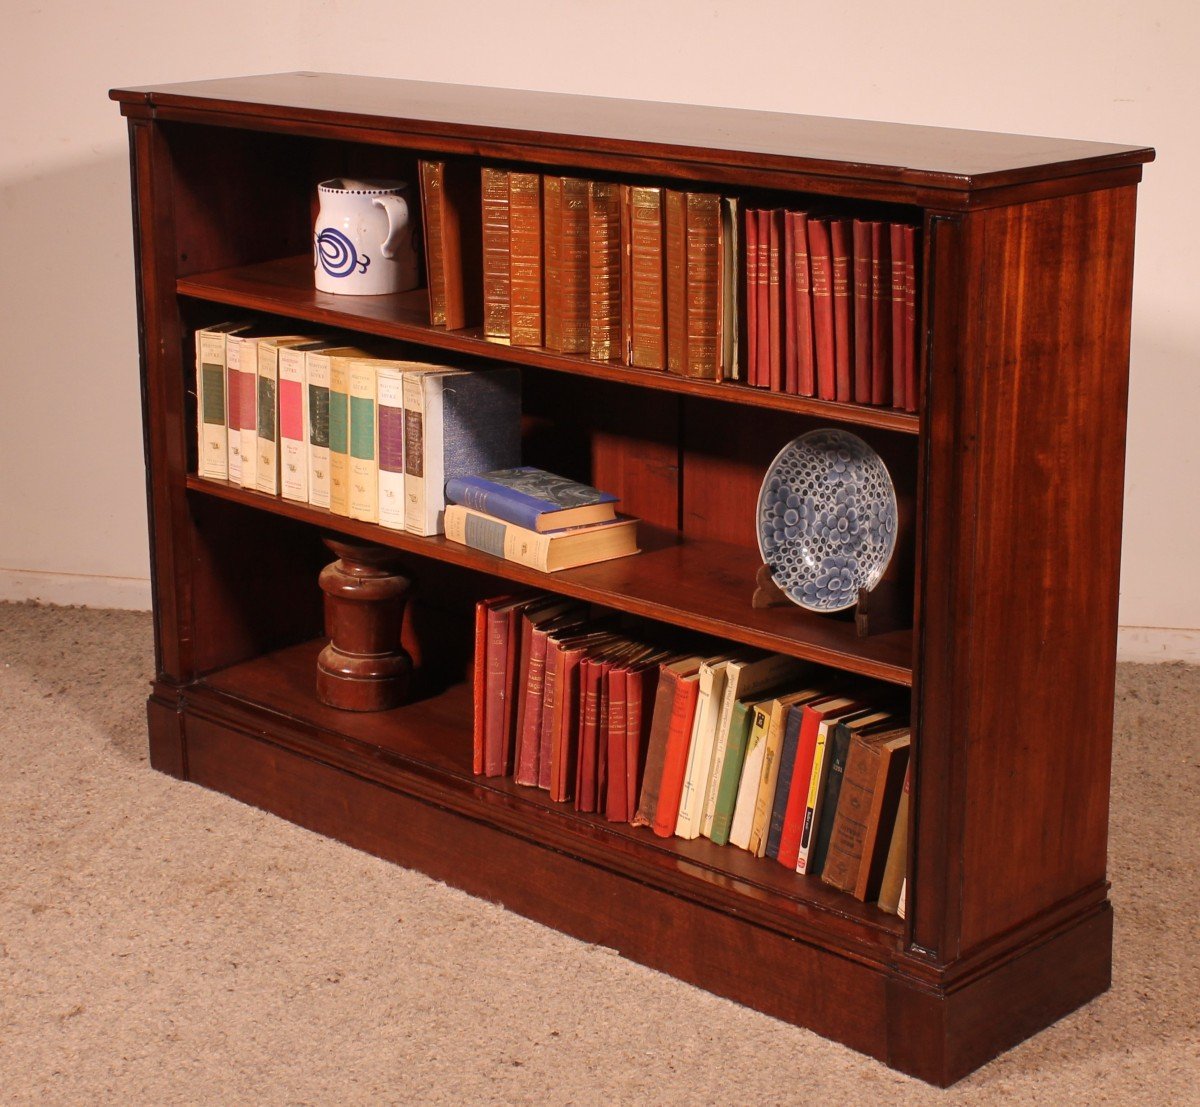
{"x":731,"y":771}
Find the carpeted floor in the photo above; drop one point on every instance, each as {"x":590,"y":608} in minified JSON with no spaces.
{"x":161,"y":944}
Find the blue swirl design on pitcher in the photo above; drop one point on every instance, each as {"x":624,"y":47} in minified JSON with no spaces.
{"x":337,"y":254}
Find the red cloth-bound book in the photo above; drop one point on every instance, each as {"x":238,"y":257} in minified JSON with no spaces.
{"x":679,"y":739}
{"x":750,"y":277}
{"x":806,"y":373}
{"x":820,"y":257}
{"x":862,"y":312}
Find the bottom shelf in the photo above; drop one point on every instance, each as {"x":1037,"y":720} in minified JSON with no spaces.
{"x":395,"y":784}
{"x":424,"y":749}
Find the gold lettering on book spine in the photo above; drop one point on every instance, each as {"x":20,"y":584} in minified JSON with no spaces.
{"x":573,"y":267}
{"x":435,"y":262}
{"x":496,"y":304}
{"x":604,"y":270}
{"x":703,"y":342}
{"x":525,"y":261}
{"x":646,"y":307}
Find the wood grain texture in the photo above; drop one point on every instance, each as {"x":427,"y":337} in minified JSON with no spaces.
{"x":953,"y":161}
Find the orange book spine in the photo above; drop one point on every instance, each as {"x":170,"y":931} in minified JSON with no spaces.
{"x":675,"y":758}
{"x":604,"y":271}
{"x":496,"y":305}
{"x":572,"y":299}
{"x":525,"y":258}
{"x":646,"y":309}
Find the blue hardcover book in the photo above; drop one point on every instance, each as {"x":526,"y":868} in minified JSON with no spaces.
{"x":532,"y":498}
{"x":783,"y":783}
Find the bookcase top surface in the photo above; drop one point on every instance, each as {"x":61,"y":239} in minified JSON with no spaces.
{"x":957,"y":161}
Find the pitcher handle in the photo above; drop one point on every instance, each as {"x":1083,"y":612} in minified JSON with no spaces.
{"x":397,"y":213}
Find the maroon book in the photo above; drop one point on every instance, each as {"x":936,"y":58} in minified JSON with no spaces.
{"x":591,"y":681}
{"x":911,"y":357}
{"x":791,"y":378}
{"x":862,"y":312}
{"x":775,"y":300}
{"x":841,"y":234}
{"x":819,"y":253}
{"x":616,"y":805}
{"x":750,"y":279}
{"x":500,"y":687}
{"x":881,"y":319}
{"x":899,"y":367}
{"x":764,"y":298}
{"x":806,"y":375}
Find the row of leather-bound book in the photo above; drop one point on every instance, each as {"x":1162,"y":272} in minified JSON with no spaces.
{"x":690,"y":282}
{"x":758,"y":751}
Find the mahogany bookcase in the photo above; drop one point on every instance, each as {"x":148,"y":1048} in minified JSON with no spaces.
{"x":1009,"y":477}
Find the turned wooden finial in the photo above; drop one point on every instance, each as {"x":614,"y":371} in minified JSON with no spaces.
{"x":364,"y":667}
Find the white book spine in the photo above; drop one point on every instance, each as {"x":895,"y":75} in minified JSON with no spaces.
{"x":211,"y":415}
{"x":248,"y":392}
{"x":414,"y":453}
{"x":390,"y":417}
{"x":729,"y":697}
{"x":363,"y":443}
{"x":266,"y":469}
{"x":233,"y":408}
{"x":293,"y":446}
{"x":747,"y":796}
{"x":316,"y":407}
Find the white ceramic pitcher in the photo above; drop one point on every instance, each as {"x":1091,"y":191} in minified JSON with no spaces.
{"x":364,"y":242}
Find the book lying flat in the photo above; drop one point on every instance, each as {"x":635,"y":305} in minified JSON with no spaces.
{"x":548,"y":553}
{"x":533,"y":498}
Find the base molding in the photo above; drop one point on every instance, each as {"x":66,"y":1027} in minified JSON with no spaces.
{"x":75,"y":589}
{"x":869,"y":1002}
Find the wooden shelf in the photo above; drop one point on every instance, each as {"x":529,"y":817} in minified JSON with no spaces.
{"x":285,"y":287}
{"x":424,"y":749}
{"x":702,"y":585}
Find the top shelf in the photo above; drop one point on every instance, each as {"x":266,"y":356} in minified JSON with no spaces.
{"x":933,"y":166}
{"x":285,"y":287}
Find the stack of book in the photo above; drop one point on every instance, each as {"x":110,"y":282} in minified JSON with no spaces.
{"x":641,"y":275}
{"x":334,"y":426}
{"x":537,"y":519}
{"x":750,"y":750}
{"x":831,"y":307}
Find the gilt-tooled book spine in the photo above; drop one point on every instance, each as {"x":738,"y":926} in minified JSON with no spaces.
{"x":529,"y":731}
{"x":806,"y":377}
{"x":525,"y":258}
{"x":899,"y":366}
{"x":496,"y":302}
{"x":431,"y":205}
{"x":791,"y":371}
{"x":616,"y":748}
{"x":625,"y":351}
{"x":675,"y":268}
{"x":604,"y":271}
{"x":911,"y":399}
{"x":750,"y":297}
{"x":565,"y":253}
{"x":820,"y":257}
{"x":881,"y":325}
{"x":648,"y":345}
{"x":862,"y":311}
{"x":212,"y":444}
{"x":763,"y":292}
{"x":774,"y":299}
{"x":702,"y":350}
{"x":363,"y":454}
{"x":389,"y":386}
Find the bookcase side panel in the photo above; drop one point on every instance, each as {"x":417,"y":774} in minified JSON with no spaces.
{"x":1034,"y":526}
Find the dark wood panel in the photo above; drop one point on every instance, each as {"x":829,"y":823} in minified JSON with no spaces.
{"x":941,"y":158}
{"x":284,"y":287}
{"x":700,"y":585}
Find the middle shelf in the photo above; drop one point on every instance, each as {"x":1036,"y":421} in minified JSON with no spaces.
{"x":699,"y":584}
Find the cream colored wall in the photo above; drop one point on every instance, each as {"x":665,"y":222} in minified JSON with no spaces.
{"x":71,"y":514}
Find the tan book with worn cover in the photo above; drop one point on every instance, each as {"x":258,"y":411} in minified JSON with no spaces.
{"x":565,"y":258}
{"x":647,"y":315}
{"x":604,"y":271}
{"x":895,"y":867}
{"x":496,"y":303}
{"x":450,"y":198}
{"x":212,"y":401}
{"x":525,"y":258}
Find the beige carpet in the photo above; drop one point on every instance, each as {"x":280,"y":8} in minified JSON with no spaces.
{"x":162,"y":944}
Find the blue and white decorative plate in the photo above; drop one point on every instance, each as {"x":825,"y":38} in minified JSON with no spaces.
{"x":827,"y":519}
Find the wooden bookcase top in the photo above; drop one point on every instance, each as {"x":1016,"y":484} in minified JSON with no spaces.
{"x":904,"y":163}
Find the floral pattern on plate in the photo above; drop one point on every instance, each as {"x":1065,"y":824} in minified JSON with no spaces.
{"x":827,"y":519}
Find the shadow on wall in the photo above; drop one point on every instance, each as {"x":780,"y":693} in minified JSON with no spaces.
{"x":70,"y":421}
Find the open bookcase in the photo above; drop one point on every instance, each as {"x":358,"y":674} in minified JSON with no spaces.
{"x":1009,"y":479}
